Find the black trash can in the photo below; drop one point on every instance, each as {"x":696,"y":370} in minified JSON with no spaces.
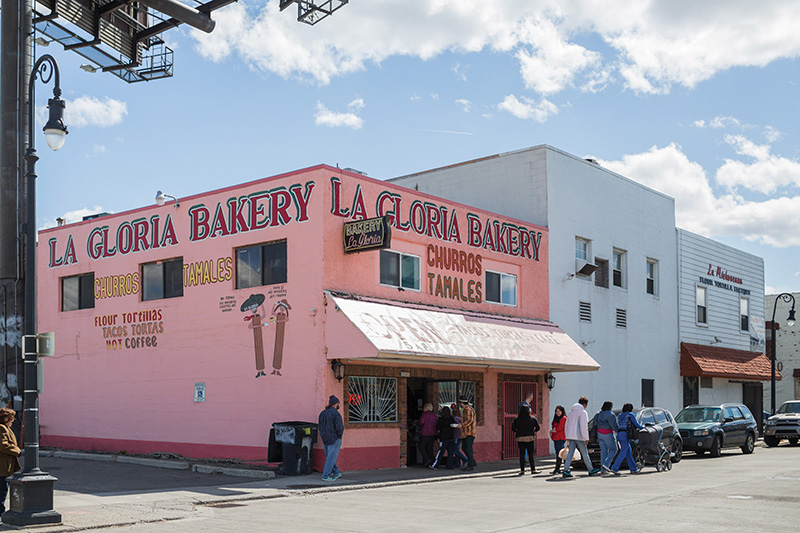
{"x":296,"y":440}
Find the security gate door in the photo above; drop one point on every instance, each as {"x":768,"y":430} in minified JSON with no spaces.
{"x":514,"y":393}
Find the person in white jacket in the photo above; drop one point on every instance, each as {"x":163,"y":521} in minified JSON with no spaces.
{"x":577,"y":433}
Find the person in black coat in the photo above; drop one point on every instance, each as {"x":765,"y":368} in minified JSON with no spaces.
{"x":447,"y":440}
{"x":525,"y":427}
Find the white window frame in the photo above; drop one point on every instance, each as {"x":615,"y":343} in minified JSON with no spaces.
{"x":623,"y":282}
{"x":698,"y":290}
{"x":400,"y":285}
{"x":583,"y":249}
{"x":651,"y":274}
{"x":503,"y":276}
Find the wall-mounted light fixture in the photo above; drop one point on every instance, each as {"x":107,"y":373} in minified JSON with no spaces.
{"x":338,"y":369}
{"x":161,"y":198}
{"x":550,"y":380}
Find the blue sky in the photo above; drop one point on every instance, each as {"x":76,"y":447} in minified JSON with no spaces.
{"x":697,"y":100}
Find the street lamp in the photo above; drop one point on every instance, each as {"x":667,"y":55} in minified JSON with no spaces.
{"x":32,"y":489}
{"x":786,"y":297}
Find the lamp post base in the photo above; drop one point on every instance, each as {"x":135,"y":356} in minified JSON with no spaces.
{"x":31,"y":500}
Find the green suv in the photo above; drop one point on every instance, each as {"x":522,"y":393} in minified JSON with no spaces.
{"x":709,"y":428}
{"x":784,"y":424}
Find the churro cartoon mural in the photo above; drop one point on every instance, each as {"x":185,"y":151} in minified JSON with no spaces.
{"x":256,"y":321}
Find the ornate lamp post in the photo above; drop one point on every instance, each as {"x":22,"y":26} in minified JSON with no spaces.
{"x":32,"y":490}
{"x":786,"y":297}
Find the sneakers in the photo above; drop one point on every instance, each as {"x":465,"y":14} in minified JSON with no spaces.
{"x":614,"y":472}
{"x":328,"y":478}
{"x":534,"y":472}
{"x":594,"y":472}
{"x":334,"y":477}
{"x":555,"y":472}
{"x":566,"y":474}
{"x":605,"y":469}
{"x":522,"y":473}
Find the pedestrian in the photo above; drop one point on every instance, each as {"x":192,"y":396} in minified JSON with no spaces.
{"x":557,"y":434}
{"x":9,"y":452}
{"x":607,"y":428}
{"x":528,"y":402}
{"x":427,"y":424}
{"x":525,"y":427}
{"x":467,"y":432}
{"x":626,"y":419}
{"x":447,"y":441}
{"x":461,"y":459}
{"x":331,"y":429}
{"x":577,"y":433}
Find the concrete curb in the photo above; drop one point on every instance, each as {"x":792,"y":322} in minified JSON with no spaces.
{"x":158,"y":463}
{"x":241,"y":472}
{"x":84,"y":456}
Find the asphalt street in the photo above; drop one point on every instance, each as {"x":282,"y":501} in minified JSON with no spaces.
{"x":736,"y":492}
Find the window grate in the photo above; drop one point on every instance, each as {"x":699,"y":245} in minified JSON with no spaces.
{"x":601,"y":274}
{"x":372,"y":399}
{"x":622,"y":318}
{"x":585,"y":311}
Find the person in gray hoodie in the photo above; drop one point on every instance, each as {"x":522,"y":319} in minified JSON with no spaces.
{"x":577,"y":433}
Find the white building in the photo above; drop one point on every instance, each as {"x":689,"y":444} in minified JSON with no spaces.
{"x":788,"y":350}
{"x":612,"y":258}
{"x":721,"y":323}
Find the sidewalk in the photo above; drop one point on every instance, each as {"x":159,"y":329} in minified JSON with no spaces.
{"x":98,"y":491}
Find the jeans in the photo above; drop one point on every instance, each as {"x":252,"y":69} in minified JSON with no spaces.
{"x":608,"y":447}
{"x":584,"y":453}
{"x":466,"y":446}
{"x":331,"y":455}
{"x":448,"y":446}
{"x":460,"y":457}
{"x":558,"y":445}
{"x":625,"y":452}
{"x":529,"y":449}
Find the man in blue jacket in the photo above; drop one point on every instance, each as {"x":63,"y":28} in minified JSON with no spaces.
{"x":331,"y":429}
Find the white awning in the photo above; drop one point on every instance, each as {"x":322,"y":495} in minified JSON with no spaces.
{"x":398,"y":333}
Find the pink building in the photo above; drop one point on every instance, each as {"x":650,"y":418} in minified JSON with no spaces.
{"x":190,"y":328}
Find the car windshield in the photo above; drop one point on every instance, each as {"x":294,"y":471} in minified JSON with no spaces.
{"x":789,"y":407}
{"x":699,"y":414}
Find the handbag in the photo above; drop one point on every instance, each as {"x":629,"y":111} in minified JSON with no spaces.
{"x":593,"y":430}
{"x":632,"y":433}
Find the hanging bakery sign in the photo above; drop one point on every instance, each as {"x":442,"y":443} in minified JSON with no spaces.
{"x":369,"y":234}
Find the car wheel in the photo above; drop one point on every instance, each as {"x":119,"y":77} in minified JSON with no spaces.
{"x":716,"y":447}
{"x":749,"y":444}
{"x":793,"y":441}
{"x":771,"y":441}
{"x":677,"y":450}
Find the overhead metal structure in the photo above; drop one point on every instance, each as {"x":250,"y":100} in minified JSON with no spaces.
{"x":312,"y":11}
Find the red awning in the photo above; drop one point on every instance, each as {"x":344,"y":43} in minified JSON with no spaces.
{"x":716,"y":362}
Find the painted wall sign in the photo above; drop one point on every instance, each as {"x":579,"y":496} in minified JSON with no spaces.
{"x":722,"y":285}
{"x":723,"y":274}
{"x":138,"y":329}
{"x":369,"y":234}
{"x":255,"y":318}
{"x":457,"y":266}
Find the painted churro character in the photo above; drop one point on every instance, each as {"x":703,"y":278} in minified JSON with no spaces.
{"x":255,"y":304}
{"x":280,"y":313}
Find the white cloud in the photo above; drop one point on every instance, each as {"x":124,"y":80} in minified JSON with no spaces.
{"x":75,"y":216}
{"x":772,"y":134}
{"x":766,"y":174}
{"x":356,"y":104}
{"x":415,"y":98}
{"x":698,"y":209}
{"x":465,"y":104}
{"x":460,"y":71}
{"x":649,"y":46}
{"x":527,"y":109}
{"x":91,"y":111}
{"x":718,"y":122}
{"x":326,"y":117}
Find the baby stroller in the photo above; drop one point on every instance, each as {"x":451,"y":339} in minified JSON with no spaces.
{"x":652,"y":451}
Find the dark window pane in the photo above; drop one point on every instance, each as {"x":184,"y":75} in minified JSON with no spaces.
{"x":648,"y":393}
{"x":173,"y":278}
{"x":248,"y":267}
{"x":492,"y":287}
{"x":274,"y":263}
{"x":152,"y":281}
{"x":87,"y":291}
{"x":70,"y":293}
{"x":390,"y":268}
{"x":701,"y":314}
{"x":410,"y":269}
{"x":651,"y":288}
{"x":618,"y":278}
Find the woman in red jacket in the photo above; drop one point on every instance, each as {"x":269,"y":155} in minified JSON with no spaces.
{"x":557,"y":435}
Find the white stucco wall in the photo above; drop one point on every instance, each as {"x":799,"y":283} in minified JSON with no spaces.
{"x":573,"y":197}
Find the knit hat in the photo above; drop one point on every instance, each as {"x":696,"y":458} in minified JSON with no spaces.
{"x":333,"y":400}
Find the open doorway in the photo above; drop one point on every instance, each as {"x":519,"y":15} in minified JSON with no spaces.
{"x":415,"y":402}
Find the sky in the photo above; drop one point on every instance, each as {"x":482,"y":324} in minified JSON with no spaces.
{"x":698,"y":100}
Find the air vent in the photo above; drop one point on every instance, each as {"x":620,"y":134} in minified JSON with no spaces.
{"x":585,"y":311}
{"x":622,"y":318}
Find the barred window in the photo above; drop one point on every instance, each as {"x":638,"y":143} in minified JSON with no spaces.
{"x":450,"y":391}
{"x":372,"y":399}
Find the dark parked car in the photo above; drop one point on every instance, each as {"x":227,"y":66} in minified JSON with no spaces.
{"x":784,"y":425}
{"x":646,"y":416}
{"x":709,"y":428}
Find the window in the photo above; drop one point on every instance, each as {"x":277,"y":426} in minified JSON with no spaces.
{"x":618,"y":260}
{"x":648,"y":393}
{"x":706,"y":383}
{"x":744,"y":312}
{"x":501,"y":288}
{"x":601,"y":274}
{"x":77,"y":292}
{"x":162,"y":279}
{"x":450,"y":391}
{"x":661,"y":417}
{"x":581,"y":249}
{"x":647,"y":416}
{"x":372,"y":399}
{"x":585,"y":311}
{"x":400,"y":270}
{"x":652,"y":277}
{"x":702,"y":317}
{"x":622,"y":318}
{"x":733,"y":413}
{"x":262,"y":264}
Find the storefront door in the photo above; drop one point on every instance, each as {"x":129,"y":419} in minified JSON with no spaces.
{"x":514,"y":393}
